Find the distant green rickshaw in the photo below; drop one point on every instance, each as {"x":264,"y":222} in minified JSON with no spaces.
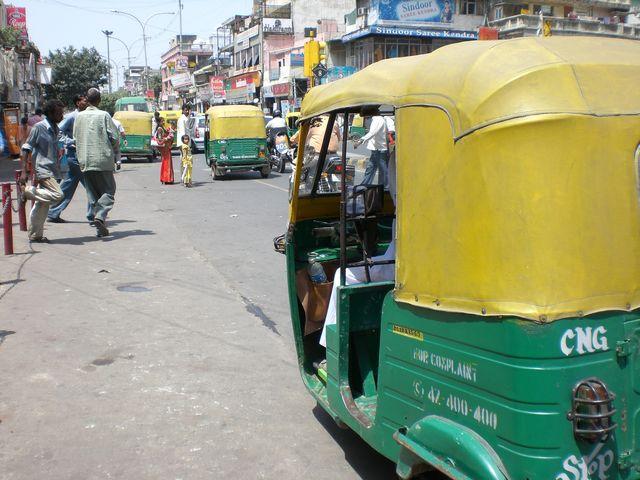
{"x":137,"y":127}
{"x":292,"y":123}
{"x":357,"y":128}
{"x":236,"y":140}
{"x":132,"y":104}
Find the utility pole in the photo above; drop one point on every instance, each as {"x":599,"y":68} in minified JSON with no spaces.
{"x":180,"y":13}
{"x":108,"y":34}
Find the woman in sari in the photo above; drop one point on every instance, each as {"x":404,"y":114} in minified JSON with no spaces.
{"x":164,"y":137}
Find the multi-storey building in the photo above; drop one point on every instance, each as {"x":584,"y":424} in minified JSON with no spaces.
{"x":609,"y":18}
{"x":178,"y":65}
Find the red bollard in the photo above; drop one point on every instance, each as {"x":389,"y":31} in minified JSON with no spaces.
{"x":22,"y":212}
{"x":7,"y":224}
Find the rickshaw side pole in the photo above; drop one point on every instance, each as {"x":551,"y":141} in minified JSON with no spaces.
{"x":343,"y":201}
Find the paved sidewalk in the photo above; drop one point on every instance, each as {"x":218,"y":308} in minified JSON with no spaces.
{"x":134,"y":357}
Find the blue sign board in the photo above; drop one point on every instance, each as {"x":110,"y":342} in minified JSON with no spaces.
{"x":440,"y":11}
{"x":296,"y":60}
{"x":336,"y":73}
{"x":411,"y":32}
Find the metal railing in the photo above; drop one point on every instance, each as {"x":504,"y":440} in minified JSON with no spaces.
{"x":566,"y":26}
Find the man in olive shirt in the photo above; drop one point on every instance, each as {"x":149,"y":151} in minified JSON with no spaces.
{"x":42,"y":147}
{"x":97,"y":146}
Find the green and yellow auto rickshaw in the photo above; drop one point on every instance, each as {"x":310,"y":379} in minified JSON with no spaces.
{"x":236,"y":140}
{"x":505,"y":344}
{"x":292,"y":123}
{"x":132,"y":104}
{"x":137,"y":128}
{"x":357,"y":130}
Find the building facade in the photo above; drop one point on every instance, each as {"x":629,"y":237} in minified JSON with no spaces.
{"x":608,"y":18}
{"x":177,"y":67}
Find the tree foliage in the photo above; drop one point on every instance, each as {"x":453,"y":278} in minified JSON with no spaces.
{"x":75,"y":71}
{"x":108,"y":100}
{"x":155,"y":84}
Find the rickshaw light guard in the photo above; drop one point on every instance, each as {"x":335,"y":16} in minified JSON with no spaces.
{"x":592,"y":411}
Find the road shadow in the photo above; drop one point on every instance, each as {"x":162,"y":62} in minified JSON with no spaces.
{"x":114,"y":235}
{"x":4,"y":334}
{"x":365,"y":461}
{"x":111,"y":222}
{"x":15,"y":281}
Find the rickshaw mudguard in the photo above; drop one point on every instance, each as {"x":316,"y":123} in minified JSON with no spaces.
{"x":450,"y":448}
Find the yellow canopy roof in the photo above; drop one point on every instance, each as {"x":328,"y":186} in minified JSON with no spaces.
{"x":135,"y":123}
{"x":170,"y":114}
{"x":235,"y":111}
{"x":484,"y":82}
{"x":236,"y":121}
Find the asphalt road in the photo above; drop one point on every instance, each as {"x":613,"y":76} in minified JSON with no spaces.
{"x":165,"y":351}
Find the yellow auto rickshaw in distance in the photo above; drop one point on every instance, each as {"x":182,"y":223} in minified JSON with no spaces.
{"x":236,"y":140}
{"x":171,"y":118}
{"x":137,"y":128}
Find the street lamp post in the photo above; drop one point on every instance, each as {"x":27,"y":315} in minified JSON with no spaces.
{"x":143,"y":25}
{"x":108,"y":34}
{"x":128,"y":50}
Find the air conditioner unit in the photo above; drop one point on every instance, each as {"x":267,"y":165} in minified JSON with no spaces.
{"x":362,"y":11}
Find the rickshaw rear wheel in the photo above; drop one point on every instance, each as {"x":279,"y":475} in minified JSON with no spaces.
{"x":265,"y":171}
{"x":150,"y":158}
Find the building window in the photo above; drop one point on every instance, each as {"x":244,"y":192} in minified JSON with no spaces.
{"x":471,"y":7}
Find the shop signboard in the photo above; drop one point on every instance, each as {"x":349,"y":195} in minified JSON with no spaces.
{"x":336,"y":73}
{"x":411,"y":32}
{"x":181,"y":80}
{"x":282,"y":26}
{"x":438,"y":11}
{"x":17,"y":19}
{"x":217,"y":88}
{"x":296,"y":60}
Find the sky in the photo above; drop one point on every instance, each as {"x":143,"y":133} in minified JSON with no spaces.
{"x":55,"y":24}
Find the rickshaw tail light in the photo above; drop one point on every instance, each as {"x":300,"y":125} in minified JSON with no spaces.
{"x":592,"y":411}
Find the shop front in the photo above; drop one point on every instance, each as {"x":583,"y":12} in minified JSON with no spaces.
{"x":243,"y":88}
{"x":400,"y":28}
{"x":276,"y":96}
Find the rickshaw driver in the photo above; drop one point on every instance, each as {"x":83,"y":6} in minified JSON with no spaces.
{"x":378,"y":273}
{"x":316,"y":135}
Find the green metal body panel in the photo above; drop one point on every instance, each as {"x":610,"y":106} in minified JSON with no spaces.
{"x":237,"y":154}
{"x":475,"y":397}
{"x":137,"y":145}
{"x":357,"y":132}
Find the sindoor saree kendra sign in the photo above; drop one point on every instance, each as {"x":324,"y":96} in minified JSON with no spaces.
{"x":439,"y":11}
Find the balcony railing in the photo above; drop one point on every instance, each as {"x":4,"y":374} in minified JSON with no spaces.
{"x":529,"y":24}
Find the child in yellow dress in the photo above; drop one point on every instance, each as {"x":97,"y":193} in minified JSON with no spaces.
{"x":187,"y":160}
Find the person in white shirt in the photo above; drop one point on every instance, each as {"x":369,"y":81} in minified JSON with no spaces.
{"x":183,"y":122}
{"x":276,"y":122}
{"x":375,"y":141}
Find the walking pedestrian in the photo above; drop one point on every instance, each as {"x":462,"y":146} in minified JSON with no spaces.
{"x":182,"y":127}
{"x":187,"y":160}
{"x":123,"y":139}
{"x":23,"y":130}
{"x":35,"y":118}
{"x":41,"y":149}
{"x":164,"y":136}
{"x":74,"y":174}
{"x":376,"y":142}
{"x":97,"y":146}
